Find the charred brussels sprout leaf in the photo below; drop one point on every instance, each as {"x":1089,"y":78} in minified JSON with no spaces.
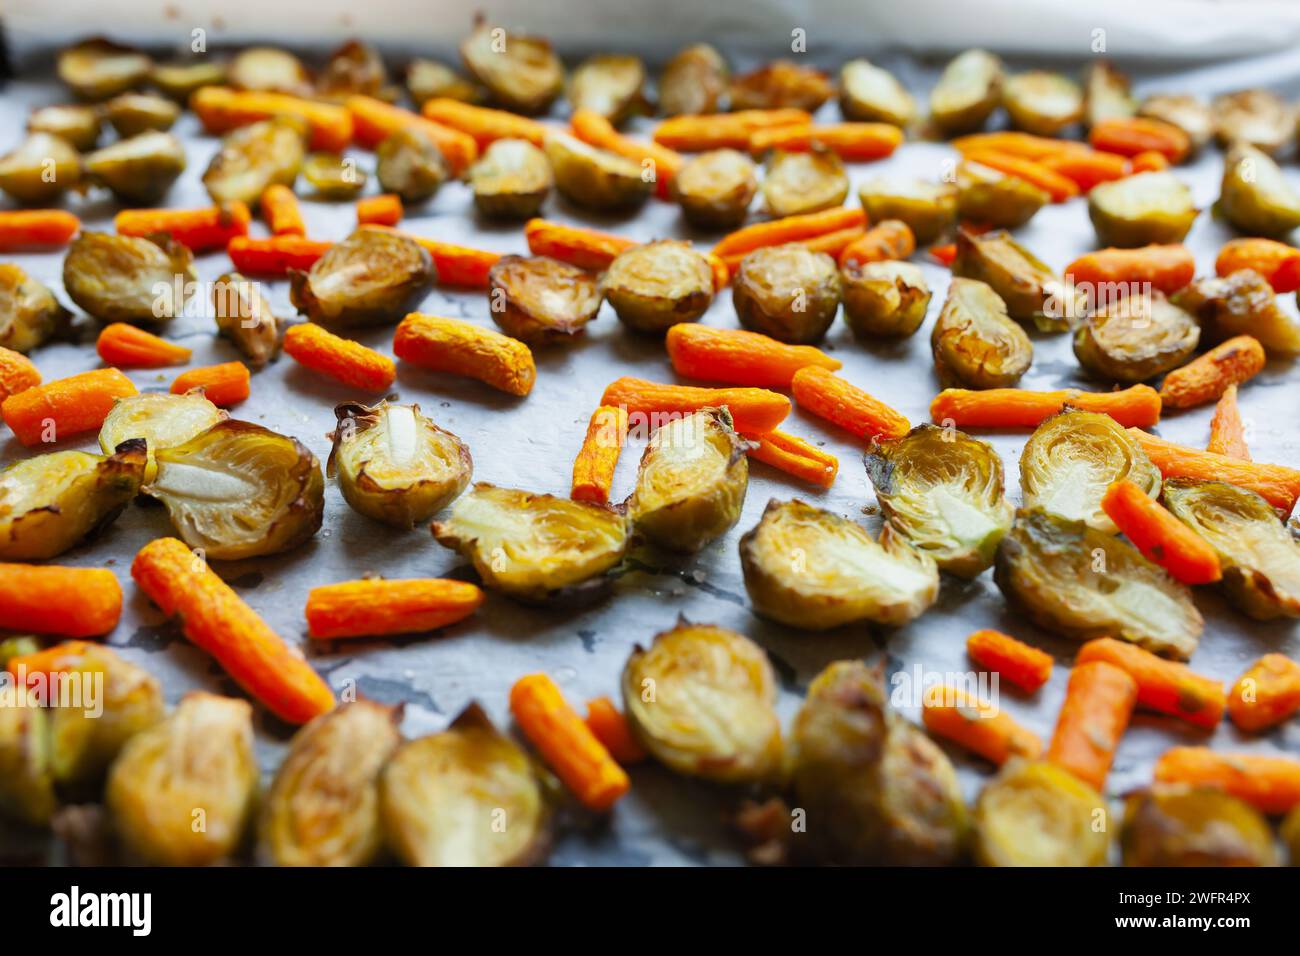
{"x":135,"y":113}
{"x":1033,"y":293}
{"x":928,"y":209}
{"x":974,"y":341}
{"x":782,"y":84}
{"x":97,"y":69}
{"x":1184,"y":826}
{"x":26,"y":783}
{"x":1042,"y":103}
{"x":161,"y":419}
{"x":40,"y":170}
{"x":693,"y":81}
{"x":595,"y":178}
{"x":1258,"y":118}
{"x":1255,"y":196}
{"x":253,"y":157}
{"x":409,"y":164}
{"x":870,"y":94}
{"x":1136,"y":338}
{"x":788,"y":292}
{"x":1184,"y":111}
{"x":333,"y":176}
{"x":799,"y":183}
{"x":521,"y":74}
{"x":715,"y":189}
{"x":511,"y":180}
{"x":29,"y":313}
{"x":967,"y":93}
{"x":245,"y":317}
{"x":77,"y":123}
{"x":609,"y":84}
{"x":269,"y":68}
{"x":1141,"y":210}
{"x":988,"y":196}
{"x":1034,"y":813}
{"x":179,"y":78}
{"x":884,"y":299}
{"x":429,"y":79}
{"x":1242,"y":303}
{"x":128,"y":279}
{"x":541,"y":301}
{"x":657,"y":284}
{"x":138,"y":170}
{"x":372,"y":277}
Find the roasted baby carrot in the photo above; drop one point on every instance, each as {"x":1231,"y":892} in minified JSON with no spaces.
{"x":1227,"y":431}
{"x":375,"y":120}
{"x":346,"y":360}
{"x":593,"y":469}
{"x":1087,"y":168}
{"x":225,"y":384}
{"x":1269,"y":784}
{"x":1152,"y":161}
{"x":17,"y":373}
{"x":739,"y":357}
{"x":66,"y":406}
{"x":1099,"y":702}
{"x":831,"y":243}
{"x":455,"y":265}
{"x":462,"y":348}
{"x":1160,"y":536}
{"x":59,"y":659}
{"x":576,"y":245}
{"x":1167,"y":687}
{"x":1206,"y":377}
{"x":944,"y":253}
{"x":777,"y":232}
{"x":611,"y":728}
{"x":993,"y":734}
{"x":1266,"y":694}
{"x":794,"y":456}
{"x":594,"y":129}
{"x":891,"y":239}
{"x":1132,"y":135}
{"x":693,"y":134}
{"x":1275,"y":261}
{"x":1056,"y":185}
{"x":51,"y":599}
{"x":279,"y":207}
{"x":483,"y":124}
{"x":828,"y":396}
{"x":1165,"y":268}
{"x":36,"y":228}
{"x":1010,"y":143}
{"x":217,"y":620}
{"x":566,"y":743}
{"x":1276,"y":484}
{"x":127,"y":346}
{"x":382,"y":210}
{"x":752,"y":409}
{"x":211,"y":227}
{"x":855,"y":142}
{"x":374,"y":607}
{"x":1026,"y":667}
{"x":1021,"y":408}
{"x":275,"y":256}
{"x":220,"y":108}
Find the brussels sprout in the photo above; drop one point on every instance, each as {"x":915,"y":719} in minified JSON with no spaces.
{"x":974,"y":341}
{"x":26,"y":784}
{"x":179,"y":78}
{"x":511,"y":180}
{"x":1255,"y":196}
{"x":134,"y":113}
{"x":355,"y":67}
{"x":814,"y":570}
{"x":51,"y":502}
{"x":468,"y":796}
{"x":870,"y":94}
{"x":372,"y":277}
{"x":1035,"y":813}
{"x":942,"y":491}
{"x":702,"y":701}
{"x":1141,"y":210}
{"x":541,"y":301}
{"x":269,"y":68}
{"x":876,"y":789}
{"x":595,"y":178}
{"x":691,"y":484}
{"x":138,"y":170}
{"x":253,"y":157}
{"x":532,"y":546}
{"x":1290,"y":833}
{"x":163,"y":420}
{"x":430,"y":80}
{"x":1107,"y":94}
{"x":884,"y":299}
{"x":968,"y":91}
{"x":239,"y":490}
{"x":395,"y":465}
{"x":197,"y":766}
{"x":693,"y":81}
{"x":323,"y":807}
{"x":244,"y":316}
{"x":128,"y":279}
{"x":77,"y":123}
{"x":1075,"y":580}
{"x":610,"y":84}
{"x":988,"y":196}
{"x":1136,"y":338}
{"x":1184,"y":111}
{"x":333,"y":176}
{"x":99,"y":68}
{"x":781,"y":84}
{"x":658,"y":284}
{"x":788,"y":292}
{"x":798,"y":183}
{"x":715,"y":189}
{"x":1185,"y":826}
{"x":1258,"y":118}
{"x":523,"y":74}
{"x":40,"y":170}
{"x":29,"y":313}
{"x":1242,"y":303}
{"x":1041,"y":102}
{"x":1259,"y":557}
{"x":1033,"y":293}
{"x":409,"y":164}
{"x":928,"y":209}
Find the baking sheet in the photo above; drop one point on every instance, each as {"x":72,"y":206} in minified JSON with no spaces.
{"x":531,"y":443}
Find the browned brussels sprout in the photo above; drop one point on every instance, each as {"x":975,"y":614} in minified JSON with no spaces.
{"x":595,"y":178}
{"x":715,"y":189}
{"x":1186,"y":112}
{"x":798,"y":183}
{"x":884,"y":299}
{"x":77,"y":123}
{"x":1186,"y":826}
{"x":1255,"y":196}
{"x":40,"y":169}
{"x":409,"y":164}
{"x":522,"y":73}
{"x":269,"y":68}
{"x":974,"y":341}
{"x":372,"y":277}
{"x":135,"y":113}
{"x":128,"y":279}
{"x":1141,"y":210}
{"x":1035,"y":813}
{"x":968,"y":91}
{"x":873,"y":95}
{"x":988,"y":196}
{"x":138,"y":170}
{"x":245,"y":317}
{"x":29,"y":312}
{"x":1033,"y":293}
{"x":1136,"y":338}
{"x":928,"y":209}
{"x":511,"y":180}
{"x":1290,"y":834}
{"x":610,"y":84}
{"x":26,"y":783}
{"x":1041,"y":102}
{"x":99,"y":68}
{"x":1242,"y":303}
{"x":541,"y":301}
{"x":1107,"y":94}
{"x":693,"y":81}
{"x":253,"y":157}
{"x":163,"y":420}
{"x":179,"y":78}
{"x":788,"y":292}
{"x":1258,"y":118}
{"x":658,"y":284}
{"x":333,"y":176}
{"x":355,"y":67}
{"x":430,"y":79}
{"x":781,"y":84}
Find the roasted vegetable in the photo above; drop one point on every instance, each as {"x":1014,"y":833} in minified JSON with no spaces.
{"x":967,"y":93}
{"x":1075,"y":580}
{"x":40,"y":169}
{"x":541,"y":301}
{"x":333,"y":176}
{"x":974,"y":341}
{"x":1042,"y":103}
{"x":253,"y":157}
{"x":1035,"y":813}
{"x":355,"y":67}
{"x":1255,"y":196}
{"x":182,"y":793}
{"x":26,"y":783}
{"x":1136,"y":338}
{"x":1186,"y":112}
{"x":430,"y":79}
{"x":658,"y":284}
{"x":693,"y":81}
{"x":884,"y":299}
{"x":702,"y":701}
{"x":239,"y":490}
{"x":715,"y":189}
{"x":1141,"y":210}
{"x":244,"y":316}
{"x":815,"y":570}
{"x":29,"y":312}
{"x":511,"y":180}
{"x":125,"y":279}
{"x":395,"y":465}
{"x":409,"y":164}
{"x":1107,"y":93}
{"x":1242,"y":303}
{"x":1185,"y":826}
{"x":76,"y":123}
{"x":179,"y":78}
{"x":531,"y":546}
{"x":323,"y":808}
{"x":521,"y":73}
{"x":788,"y":292}
{"x":610,"y":84}
{"x":1033,"y":293}
{"x":139,"y":170}
{"x":1258,"y":118}
{"x":269,"y":68}
{"x":928,"y":209}
{"x":134,"y":113}
{"x":988,"y":196}
{"x":595,"y":178}
{"x":372,"y":277}
{"x":161,"y":419}
{"x":781,"y":84}
{"x":99,"y":68}
{"x":798,"y":183}
{"x":1290,"y":833}
{"x":871,"y":94}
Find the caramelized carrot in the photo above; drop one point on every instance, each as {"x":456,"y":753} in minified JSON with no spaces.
{"x":66,"y":406}
{"x":1270,"y":784}
{"x":594,"y":129}
{"x":346,"y":360}
{"x":1011,"y":143}
{"x":891,"y":239}
{"x":225,"y":384}
{"x":777,"y":232}
{"x":17,"y":373}
{"x":376,"y":120}
{"x":1021,"y":408}
{"x":1167,"y":687}
{"x":1227,"y":431}
{"x":944,"y":253}
{"x":1275,"y":261}
{"x":794,"y":456}
{"x":578,"y":246}
{"x":831,"y":243}
{"x":50,"y":599}
{"x":1099,"y":702}
{"x":36,"y":228}
{"x":275,"y":256}
{"x":1266,"y":694}
{"x":752,"y":409}
{"x":211,"y":227}
{"x":485,"y":125}
{"x":1152,"y":161}
{"x":220,"y":108}
{"x":693,"y":134}
{"x":462,"y":348}
{"x":993,"y":734}
{"x":1133,"y":135}
{"x":739,"y":357}
{"x":1056,"y":185}
{"x":1026,"y":667}
{"x":1165,"y":268}
{"x":127,"y":346}
{"x":855,"y":142}
{"x":593,"y":469}
{"x":1087,"y":168}
{"x":1276,"y":484}
{"x":611,"y":728}
{"x":381,"y":210}
{"x":828,"y":396}
{"x":281,"y":211}
{"x":1160,"y":536}
{"x":374,"y":607}
{"x":460,"y":266}
{"x":59,"y":659}
{"x":1206,"y":377}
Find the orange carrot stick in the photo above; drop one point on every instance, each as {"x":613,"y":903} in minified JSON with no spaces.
{"x":1056,"y":185}
{"x":66,"y":406}
{"x":610,"y":727}
{"x":891,"y":239}
{"x":484,"y":125}
{"x":382,"y":210}
{"x":1152,"y":161}
{"x":1227,"y":431}
{"x":1087,"y":168}
{"x":1167,"y":687}
{"x":593,"y":469}
{"x":594,"y":129}
{"x":828,"y":396}
{"x":1026,"y":667}
{"x":462,"y":348}
{"x":752,"y":409}
{"x":1132,"y":135}
{"x":281,"y":211}
{"x":50,"y":599}
{"x":723,"y":130}
{"x":1206,"y":377}
{"x":993,"y":734}
{"x":1266,"y":694}
{"x":739,"y":357}
{"x":1276,"y":484}
{"x":944,"y":253}
{"x":790,"y":229}
{"x":1270,"y":784}
{"x":1010,"y":143}
{"x":584,"y":248}
{"x":1275,"y":261}
{"x":1021,"y":408}
{"x":211,"y":227}
{"x":17,"y":373}
{"x":36,"y":229}
{"x":127,"y":346}
{"x":219,"y":108}
{"x":794,"y":456}
{"x":225,"y":384}
{"x":1165,"y":268}
{"x":59,"y":659}
{"x":346,"y":360}
{"x":1160,"y":536}
{"x":275,"y":256}
{"x":373,"y":607}
{"x":460,"y":266}
{"x":832,"y":243}
{"x":1098,"y":704}
{"x":855,"y":142}
{"x":376,"y":120}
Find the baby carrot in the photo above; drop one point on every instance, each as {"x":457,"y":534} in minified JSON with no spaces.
{"x":790,"y":229}
{"x":594,"y":129}
{"x":891,"y":239}
{"x":993,"y":734}
{"x":752,"y":409}
{"x":221,"y":108}
{"x":382,"y":210}
{"x":1087,"y":168}
{"x":576,"y":245}
{"x":1166,"y":268}
{"x":50,"y":599}
{"x":275,"y":256}
{"x":1276,"y":484}
{"x":1010,"y":143}
{"x":211,"y":227}
{"x":610,"y":727}
{"x":460,"y":266}
{"x":944,"y":253}
{"x":36,"y":228}
{"x":1151,"y":161}
{"x":1270,"y":784}
{"x":130,"y":347}
{"x":855,"y":142}
{"x":828,"y":396}
{"x":739,"y":357}
{"x":1056,"y":185}
{"x":375,"y":121}
{"x":225,"y":384}
{"x":1021,"y":408}
{"x":593,"y":469}
{"x":1132,"y":135}
{"x":567,"y":743}
{"x":217,"y":620}
{"x":832,"y":243}
{"x":1206,"y":377}
{"x":17,"y":373}
{"x":1266,"y":694}
{"x":1227,"y":431}
{"x":1026,"y":667}
{"x":346,"y":360}
{"x":485,"y":125}
{"x":1098,"y":703}
{"x":59,"y":659}
{"x":723,"y":130}
{"x":1275,"y":261}
{"x":66,"y":406}
{"x":281,"y":211}
{"x":794,"y":456}
{"x":462,"y":348}
{"x":1160,"y":536}
{"x":1167,"y":687}
{"x":373,"y":607}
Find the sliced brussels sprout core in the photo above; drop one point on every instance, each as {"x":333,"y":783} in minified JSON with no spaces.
{"x":814,"y":570}
{"x":974,"y":341}
{"x":702,"y":701}
{"x":134,"y":113}
{"x":179,"y":78}
{"x":334,"y":176}
{"x":430,"y":79}
{"x":986,"y":195}
{"x":29,"y":313}
{"x":884,"y":299}
{"x":373,"y":277}
{"x":1255,"y":196}
{"x":1136,"y":338}
{"x":788,"y":292}
{"x":395,"y":465}
{"x":968,"y":91}
{"x":609,"y":84}
{"x":1041,"y":102}
{"x":1076,"y":580}
{"x":1140,"y":210}
{"x":40,"y":169}
{"x":138,"y":170}
{"x":511,"y":180}
{"x":943,"y":491}
{"x":355,"y":68}
{"x":1258,"y":118}
{"x":443,"y":797}
{"x":97,"y":69}
{"x":693,"y":82}
{"x":26,"y":784}
{"x":239,"y":490}
{"x":596,"y":178}
{"x":1033,"y":293}
{"x":521,"y":74}
{"x":928,"y":209}
{"x":533,"y":546}
{"x":129,"y":279}
{"x":1107,"y":93}
{"x":541,"y":301}
{"x":798,"y":183}
{"x":161,"y":419}
{"x":77,"y":123}
{"x":244,"y":316}
{"x":1194,"y":826}
{"x":655,"y":285}
{"x":1186,"y":112}
{"x":1242,"y":303}
{"x":873,"y":95}
{"x":1035,"y":813}
{"x":253,"y":157}
{"x":715,"y":188}
{"x":269,"y":68}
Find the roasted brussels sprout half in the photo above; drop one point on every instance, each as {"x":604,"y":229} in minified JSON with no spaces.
{"x":372,"y":277}
{"x":239,"y":490}
{"x":531,"y":546}
{"x":691,"y":484}
{"x":798,"y":183}
{"x":1035,"y":813}
{"x":269,"y":68}
{"x":1258,"y":118}
{"x":511,"y":180}
{"x":988,"y":196}
{"x":968,"y":91}
{"x":1260,"y":558}
{"x":1186,"y":112}
{"x":430,"y":79}
{"x":1136,"y":338}
{"x":1141,"y":210}
{"x":40,"y":170}
{"x":128,"y":279}
{"x":196,"y":767}
{"x":693,"y":81}
{"x":521,"y":73}
{"x":1075,"y":580}
{"x":873,"y":95}
{"x":595,"y":178}
{"x":610,"y":84}
{"x":1242,"y":303}
{"x":1107,"y":93}
{"x":1185,"y":826}
{"x":395,"y":465}
{"x":29,"y":312}
{"x":782,"y":84}
{"x":76,"y":123}
{"x":51,"y":502}
{"x":244,"y":316}
{"x":876,"y":789}
{"x":974,"y":341}
{"x":409,"y":164}
{"x":323,"y":807}
{"x":163,"y":420}
{"x":715,"y":189}
{"x":138,"y":170}
{"x":1042,"y":103}
{"x":99,"y":68}
{"x":788,"y":292}
{"x":135,"y":113}
{"x":355,"y":67}
{"x":26,"y":783}
{"x":815,"y":570}
{"x":253,"y":157}
{"x":884,"y":299}
{"x":657,"y":284}
{"x":1255,"y":196}
{"x":179,"y":78}
{"x":468,"y":796}
{"x":541,"y":301}
{"x":942,"y":491}
{"x":333,"y":176}
{"x":1032,"y":292}
{"x":702,"y":701}
{"x":928,"y":209}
